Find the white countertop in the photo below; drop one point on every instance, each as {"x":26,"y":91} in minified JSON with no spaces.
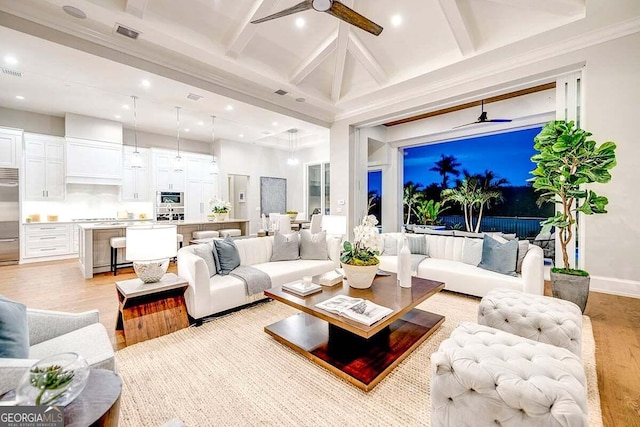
{"x":127,"y":223}
{"x":85,"y":221}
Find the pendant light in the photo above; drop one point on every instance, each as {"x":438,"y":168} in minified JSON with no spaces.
{"x":177,"y":161}
{"x":136,"y":158}
{"x":292,"y":160}
{"x":213,"y":169}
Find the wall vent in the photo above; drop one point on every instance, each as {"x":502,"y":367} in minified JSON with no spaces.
{"x":127,"y":32}
{"x":281,"y":92}
{"x":194,"y":97}
{"x":11,"y":72}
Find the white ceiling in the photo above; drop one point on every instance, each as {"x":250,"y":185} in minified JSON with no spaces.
{"x":210,"y":48}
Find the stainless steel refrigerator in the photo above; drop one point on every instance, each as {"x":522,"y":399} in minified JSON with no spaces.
{"x":9,"y":217}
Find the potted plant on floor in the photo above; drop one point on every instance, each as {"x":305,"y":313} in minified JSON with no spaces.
{"x":567,"y":160}
{"x":359,"y":259}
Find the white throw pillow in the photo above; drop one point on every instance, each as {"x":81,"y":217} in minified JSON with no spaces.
{"x":472,"y":251}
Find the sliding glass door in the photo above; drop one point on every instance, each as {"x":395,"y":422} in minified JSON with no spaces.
{"x":318,"y":189}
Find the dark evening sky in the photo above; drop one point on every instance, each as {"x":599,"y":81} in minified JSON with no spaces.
{"x":506,"y":154}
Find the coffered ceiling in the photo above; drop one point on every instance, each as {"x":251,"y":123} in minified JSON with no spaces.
{"x":328,"y":68}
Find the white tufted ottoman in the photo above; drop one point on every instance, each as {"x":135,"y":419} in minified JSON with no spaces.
{"x":545,"y":319}
{"x":481,"y":376}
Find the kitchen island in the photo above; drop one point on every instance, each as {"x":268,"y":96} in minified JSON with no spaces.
{"x":94,"y":248}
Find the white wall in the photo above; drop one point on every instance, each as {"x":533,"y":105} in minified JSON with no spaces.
{"x":148,"y":140}
{"x":32,"y":122}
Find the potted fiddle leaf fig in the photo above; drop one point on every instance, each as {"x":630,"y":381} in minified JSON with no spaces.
{"x":566,"y":161}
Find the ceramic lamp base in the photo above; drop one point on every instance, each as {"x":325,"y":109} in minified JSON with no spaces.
{"x":151,"y":271}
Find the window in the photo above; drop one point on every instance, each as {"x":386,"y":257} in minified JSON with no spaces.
{"x":374,"y":194}
{"x":318,"y":189}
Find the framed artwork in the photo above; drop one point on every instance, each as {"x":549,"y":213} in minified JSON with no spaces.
{"x":241,"y":198}
{"x":273,"y":195}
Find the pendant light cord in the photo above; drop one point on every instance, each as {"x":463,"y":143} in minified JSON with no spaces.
{"x":135,"y":123}
{"x":213,"y":154}
{"x":178,"y":128}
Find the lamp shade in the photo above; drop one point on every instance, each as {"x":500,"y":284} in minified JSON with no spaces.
{"x":334,"y":224}
{"x":151,"y":242}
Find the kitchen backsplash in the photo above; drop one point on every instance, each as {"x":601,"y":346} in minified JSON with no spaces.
{"x":87,"y":201}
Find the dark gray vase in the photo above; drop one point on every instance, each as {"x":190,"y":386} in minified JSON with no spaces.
{"x":571,"y":288}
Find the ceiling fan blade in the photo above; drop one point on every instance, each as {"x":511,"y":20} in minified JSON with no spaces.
{"x":466,"y":124}
{"x":352,"y":17}
{"x":300,"y":7}
{"x":500,"y":120}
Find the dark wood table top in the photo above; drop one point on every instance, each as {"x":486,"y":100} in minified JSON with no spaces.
{"x":384,"y":291}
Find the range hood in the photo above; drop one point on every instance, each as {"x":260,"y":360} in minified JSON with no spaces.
{"x":93,"y":151}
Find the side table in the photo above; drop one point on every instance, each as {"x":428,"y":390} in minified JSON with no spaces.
{"x":150,"y":310}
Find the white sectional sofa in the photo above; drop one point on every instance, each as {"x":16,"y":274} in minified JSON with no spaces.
{"x":444,"y":263}
{"x":210,"y":293}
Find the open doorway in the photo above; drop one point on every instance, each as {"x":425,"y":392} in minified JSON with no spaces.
{"x":238,"y":194}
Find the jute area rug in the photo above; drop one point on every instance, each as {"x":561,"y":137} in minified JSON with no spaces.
{"x":229,"y":372}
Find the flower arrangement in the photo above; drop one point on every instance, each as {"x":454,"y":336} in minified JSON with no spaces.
{"x":366,"y":244}
{"x":219,"y":206}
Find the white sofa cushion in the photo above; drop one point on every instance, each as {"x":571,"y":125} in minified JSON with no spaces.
{"x":255,"y":250}
{"x":289,"y":271}
{"x":465,"y":278}
{"x":445,"y":247}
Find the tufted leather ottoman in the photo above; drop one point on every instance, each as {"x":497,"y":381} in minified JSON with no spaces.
{"x":539,"y":318}
{"x":481,"y":376}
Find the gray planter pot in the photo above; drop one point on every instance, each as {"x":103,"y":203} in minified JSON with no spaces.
{"x":571,"y":288}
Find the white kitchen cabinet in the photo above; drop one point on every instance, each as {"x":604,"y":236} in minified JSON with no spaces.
{"x":93,"y":162}
{"x":47,"y":240}
{"x":44,"y":167}
{"x":201,"y":187}
{"x":135,"y":181}
{"x":9,"y":147}
{"x":167,"y":179}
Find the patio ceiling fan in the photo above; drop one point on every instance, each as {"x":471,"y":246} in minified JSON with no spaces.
{"x":333,"y":8}
{"x":483,"y":119}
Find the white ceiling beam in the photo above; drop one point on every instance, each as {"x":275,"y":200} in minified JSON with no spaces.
{"x":316,"y":58}
{"x":136,"y":7}
{"x":366,"y":58}
{"x":341,"y":57}
{"x":556,"y":7}
{"x":246,"y":30}
{"x":459,"y":26}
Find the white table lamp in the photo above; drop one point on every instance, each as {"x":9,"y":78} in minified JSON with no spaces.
{"x":334,"y":224}
{"x":150,"y":247}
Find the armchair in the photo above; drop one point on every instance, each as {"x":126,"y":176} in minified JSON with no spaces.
{"x":52,"y":332}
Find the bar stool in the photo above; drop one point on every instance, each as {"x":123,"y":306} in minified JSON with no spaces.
{"x":206,"y":234}
{"x":117,"y":243}
{"x":231,"y":232}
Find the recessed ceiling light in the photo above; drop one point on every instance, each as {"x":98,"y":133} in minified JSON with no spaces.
{"x":187,"y":129}
{"x":396,"y":20}
{"x":229,"y":107}
{"x":74,"y":11}
{"x":145,"y":83}
{"x":125,"y":106}
{"x":275,"y":123}
{"x":200,"y":123}
{"x":11,"y":60}
{"x":117,"y":116}
{"x":19,"y":97}
{"x":300,"y":22}
{"x":241,"y":135}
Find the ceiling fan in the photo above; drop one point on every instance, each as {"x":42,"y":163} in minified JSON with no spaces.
{"x":483,"y":119}
{"x":332,"y":7}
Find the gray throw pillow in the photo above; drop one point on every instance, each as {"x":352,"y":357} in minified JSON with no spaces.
{"x":390,"y":245}
{"x":227,"y":256}
{"x":523,"y":247}
{"x":472,"y":251}
{"x":313,"y":245}
{"x":499,"y":257}
{"x":286,"y":247}
{"x":205,"y":251}
{"x":417,"y":244}
{"x":14,"y":330}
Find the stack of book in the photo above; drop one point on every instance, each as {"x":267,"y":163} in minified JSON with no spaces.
{"x":299,"y":288}
{"x":330,"y":278}
{"x":358,"y":309}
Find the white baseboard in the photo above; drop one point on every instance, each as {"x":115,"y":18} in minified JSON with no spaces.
{"x":611,"y":285}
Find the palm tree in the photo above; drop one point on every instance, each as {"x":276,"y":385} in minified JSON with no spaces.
{"x":489,"y":188}
{"x":411,"y":195}
{"x":445,"y":166}
{"x":466,"y":195}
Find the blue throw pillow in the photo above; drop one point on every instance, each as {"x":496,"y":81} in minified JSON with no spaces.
{"x":226,"y":255}
{"x":14,"y":330}
{"x":499,"y":257}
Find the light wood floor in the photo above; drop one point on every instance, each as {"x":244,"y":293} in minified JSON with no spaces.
{"x":616,"y":324}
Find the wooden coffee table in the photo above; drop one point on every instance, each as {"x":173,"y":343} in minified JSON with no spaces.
{"x":361,"y":354}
